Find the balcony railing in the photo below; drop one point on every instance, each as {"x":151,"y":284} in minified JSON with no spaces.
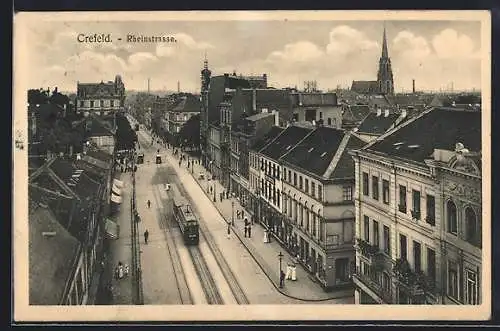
{"x":370,"y":280}
{"x":415,"y":283}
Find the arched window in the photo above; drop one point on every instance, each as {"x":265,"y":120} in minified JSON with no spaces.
{"x":470,"y":225}
{"x":451,"y":212}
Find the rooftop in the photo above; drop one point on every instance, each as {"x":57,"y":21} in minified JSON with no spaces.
{"x":436,"y":128}
{"x":377,"y":124}
{"x":273,"y":133}
{"x":188,"y":104}
{"x":52,"y":251}
{"x":285,"y":141}
{"x":323,"y":153}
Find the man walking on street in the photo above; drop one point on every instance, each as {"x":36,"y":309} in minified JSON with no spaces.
{"x":146,"y":236}
{"x":149,"y":204}
{"x":249,"y":231}
{"x":228,"y":231}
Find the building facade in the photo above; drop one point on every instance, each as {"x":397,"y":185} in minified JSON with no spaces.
{"x":418,"y":207}
{"x":317,"y":107}
{"x":101,"y":98}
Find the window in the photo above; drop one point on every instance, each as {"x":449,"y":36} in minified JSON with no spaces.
{"x":385,"y":191}
{"x":375,"y":234}
{"x":470,"y":226}
{"x":285,"y":204}
{"x":91,"y":103}
{"x":329,"y":121}
{"x":278,"y":198}
{"x":375,"y":187}
{"x":417,"y":256}
{"x":320,"y":115}
{"x":313,"y":189}
{"x":306,"y":184}
{"x":471,"y":297}
{"x":367,"y":228}
{"x":295,"y":179}
{"x":278,"y":172}
{"x":365,"y":184}
{"x":347,"y":193}
{"x":431,"y":264}
{"x":320,"y":193}
{"x":402,"y":198}
{"x":386,"y":282}
{"x":387,"y":240}
{"x":402,"y":247}
{"x":348,"y":231}
{"x":342,"y":269}
{"x":274,"y":171}
{"x":452,"y":280}
{"x":415,"y":213}
{"x":314,"y":232}
{"x":81,"y":103}
{"x":451,"y":211}
{"x":300,"y":183}
{"x":431,"y":210}
{"x":262,"y":164}
{"x":289,"y":176}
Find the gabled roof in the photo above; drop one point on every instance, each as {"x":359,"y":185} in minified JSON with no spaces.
{"x":261,"y":143}
{"x":355,"y":113}
{"x":377,"y":125}
{"x":324,"y":153}
{"x":51,"y":258}
{"x":285,"y":141}
{"x":364,"y":86}
{"x":95,"y":127}
{"x":188,"y":104}
{"x":97,"y":89}
{"x":436,"y":128}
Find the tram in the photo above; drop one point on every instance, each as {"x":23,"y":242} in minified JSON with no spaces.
{"x":185,"y":218}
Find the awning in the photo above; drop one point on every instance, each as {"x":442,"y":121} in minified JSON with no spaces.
{"x":117,"y":183}
{"x":112,"y":229}
{"x":116,"y":190}
{"x":116,"y":198}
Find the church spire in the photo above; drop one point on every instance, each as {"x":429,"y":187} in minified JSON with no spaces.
{"x":385,"y":52}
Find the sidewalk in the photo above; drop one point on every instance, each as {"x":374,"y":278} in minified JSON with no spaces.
{"x":305,"y":288}
{"x":120,"y":249}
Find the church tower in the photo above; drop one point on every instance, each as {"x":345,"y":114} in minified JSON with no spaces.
{"x":384,"y":77}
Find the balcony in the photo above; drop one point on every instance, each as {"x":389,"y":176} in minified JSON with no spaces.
{"x":416,"y":284}
{"x":402,"y":208}
{"x":368,"y":282}
{"x":431,"y":219}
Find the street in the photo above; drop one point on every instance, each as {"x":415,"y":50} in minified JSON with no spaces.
{"x":170,"y":273}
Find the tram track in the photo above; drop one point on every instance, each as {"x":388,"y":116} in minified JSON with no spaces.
{"x":177,"y":269}
{"x":236,"y":290}
{"x":210,"y":288}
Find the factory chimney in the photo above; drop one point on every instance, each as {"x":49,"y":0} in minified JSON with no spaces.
{"x":413,"y":86}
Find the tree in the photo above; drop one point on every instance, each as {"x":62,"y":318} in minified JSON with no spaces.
{"x":189,"y":134}
{"x":126,"y":137}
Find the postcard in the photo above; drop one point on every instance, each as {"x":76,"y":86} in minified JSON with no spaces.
{"x":252,"y":165}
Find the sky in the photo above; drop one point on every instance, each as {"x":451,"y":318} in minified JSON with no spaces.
{"x":434,"y":53}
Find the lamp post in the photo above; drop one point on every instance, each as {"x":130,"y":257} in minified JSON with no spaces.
{"x":232,"y":212}
{"x":280,"y":255}
{"x":215,"y":199}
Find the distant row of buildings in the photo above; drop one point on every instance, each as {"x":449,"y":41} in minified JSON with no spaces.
{"x":368,"y":188}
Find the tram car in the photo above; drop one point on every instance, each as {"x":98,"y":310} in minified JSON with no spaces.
{"x":158,"y":159}
{"x":186,"y":219}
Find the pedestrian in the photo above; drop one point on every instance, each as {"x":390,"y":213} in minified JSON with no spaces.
{"x":238,"y":214}
{"x":220,"y":197}
{"x":282,"y":278}
{"x":149,"y":204}
{"x":249,"y":231}
{"x":228,"y":231}
{"x":242,"y":213}
{"x":146,"y":236}
{"x":246,"y":230}
{"x":211,"y":189}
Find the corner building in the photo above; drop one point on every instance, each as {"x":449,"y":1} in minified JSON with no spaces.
{"x":418,"y":212}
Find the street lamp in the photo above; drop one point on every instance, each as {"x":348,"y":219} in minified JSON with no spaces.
{"x":280,"y":255}
{"x":215,"y":200}
{"x":232,"y":212}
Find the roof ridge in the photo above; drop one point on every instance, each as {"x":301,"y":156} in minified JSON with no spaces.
{"x":59,"y":181}
{"x":41,"y":169}
{"x":338,"y":154}
{"x":298,"y":142}
{"x":398,"y":127}
{"x":272,"y":140}
{"x":49,"y":191}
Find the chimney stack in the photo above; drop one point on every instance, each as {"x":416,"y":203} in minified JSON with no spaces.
{"x":413,"y":86}
{"x":379,"y":112}
{"x":254,"y":100}
{"x":386,"y":113}
{"x":276,"y":118}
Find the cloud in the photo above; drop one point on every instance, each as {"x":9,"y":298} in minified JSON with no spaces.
{"x":450,"y":44}
{"x":410,"y":46}
{"x":302,"y":51}
{"x":190,"y":42}
{"x":345,"y":40}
